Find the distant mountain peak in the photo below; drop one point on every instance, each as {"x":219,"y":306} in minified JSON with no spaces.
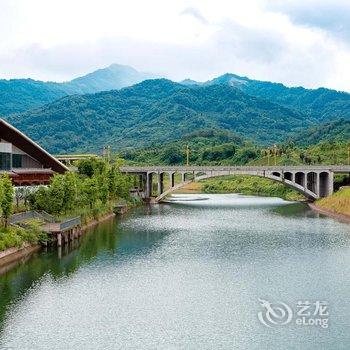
{"x":189,"y":81}
{"x":113,"y":77}
{"x":229,"y":79}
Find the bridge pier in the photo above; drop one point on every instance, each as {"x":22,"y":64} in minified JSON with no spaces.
{"x":312,"y":181}
{"x":160,"y":183}
{"x":172,"y":179}
{"x":149,"y":184}
{"x":183,"y":177}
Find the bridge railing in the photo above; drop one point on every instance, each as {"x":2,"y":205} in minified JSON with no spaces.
{"x":29,"y":215}
{"x":70,"y":223}
{"x":305,"y":168}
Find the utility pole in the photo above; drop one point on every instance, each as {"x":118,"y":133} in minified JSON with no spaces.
{"x":187,"y":155}
{"x":107,"y":153}
{"x":275,"y":151}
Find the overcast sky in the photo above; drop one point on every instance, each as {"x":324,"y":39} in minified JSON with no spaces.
{"x":296,"y":42}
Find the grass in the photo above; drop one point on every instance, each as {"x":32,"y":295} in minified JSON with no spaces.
{"x":338,"y":203}
{"x":99,"y":210}
{"x":15,"y":236}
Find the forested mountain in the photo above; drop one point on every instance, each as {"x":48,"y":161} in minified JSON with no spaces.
{"x":205,"y":147}
{"x":322,"y":104}
{"x":114,"y":77}
{"x":336,"y":131}
{"x":154,"y":111}
{"x":19,"y":95}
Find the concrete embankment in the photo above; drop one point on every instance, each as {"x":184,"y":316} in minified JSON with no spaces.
{"x":10,"y":257}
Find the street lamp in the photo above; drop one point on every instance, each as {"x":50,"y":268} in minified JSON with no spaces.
{"x":275,"y":151}
{"x":187,"y":155}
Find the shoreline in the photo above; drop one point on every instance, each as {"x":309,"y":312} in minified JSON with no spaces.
{"x":341,"y":217}
{"x":10,"y":257}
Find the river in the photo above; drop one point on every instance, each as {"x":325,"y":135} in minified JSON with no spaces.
{"x":188,"y":275}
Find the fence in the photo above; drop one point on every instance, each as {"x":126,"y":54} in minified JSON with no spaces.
{"x":28,"y":215}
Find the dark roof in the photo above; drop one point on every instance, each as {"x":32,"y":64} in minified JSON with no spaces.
{"x":23,"y":142}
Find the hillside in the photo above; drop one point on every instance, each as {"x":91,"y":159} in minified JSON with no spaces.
{"x":335,"y":131}
{"x":154,"y":111}
{"x":205,"y":147}
{"x":322,"y":104}
{"x":19,"y":95}
{"x":114,"y":77}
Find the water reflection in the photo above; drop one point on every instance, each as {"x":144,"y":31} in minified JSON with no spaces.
{"x":183,"y":275}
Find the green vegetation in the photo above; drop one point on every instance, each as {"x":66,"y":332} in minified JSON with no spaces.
{"x":216,"y":147}
{"x":323,"y":104}
{"x":154,"y":112}
{"x":159,"y":111}
{"x":335,"y":131}
{"x":6,"y":199}
{"x":205,"y":147}
{"x":249,"y":185}
{"x":90,"y":193}
{"x":19,"y":95}
{"x":338,"y":203}
{"x":15,"y":236}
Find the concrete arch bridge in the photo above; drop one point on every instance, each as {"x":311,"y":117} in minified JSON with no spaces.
{"x":312,"y":181}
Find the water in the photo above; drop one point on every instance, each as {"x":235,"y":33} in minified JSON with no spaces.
{"x":186,"y":275}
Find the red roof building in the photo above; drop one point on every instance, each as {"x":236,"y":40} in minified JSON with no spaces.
{"x":24,"y":160}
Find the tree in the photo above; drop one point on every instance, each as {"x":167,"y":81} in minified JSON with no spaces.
{"x":7,"y":198}
{"x":70,"y":191}
{"x":39,"y":199}
{"x":172,"y":155}
{"x":90,"y":191}
{"x":85,"y":167}
{"x":56,"y":194}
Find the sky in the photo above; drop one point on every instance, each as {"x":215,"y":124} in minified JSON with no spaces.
{"x":296,"y":42}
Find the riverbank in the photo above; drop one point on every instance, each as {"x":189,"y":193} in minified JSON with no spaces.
{"x":327,"y":212}
{"x":336,"y":206}
{"x":10,"y":257}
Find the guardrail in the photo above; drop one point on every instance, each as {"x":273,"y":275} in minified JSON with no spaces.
{"x":32,"y":214}
{"x":70,"y":223}
{"x":47,"y":217}
{"x":160,"y":168}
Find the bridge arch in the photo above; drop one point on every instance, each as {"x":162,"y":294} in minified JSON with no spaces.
{"x":312,"y":181}
{"x":273,"y":176}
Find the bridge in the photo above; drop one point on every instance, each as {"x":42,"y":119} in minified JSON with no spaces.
{"x":314,"y":181}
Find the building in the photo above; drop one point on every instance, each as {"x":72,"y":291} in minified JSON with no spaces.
{"x":24,"y":160}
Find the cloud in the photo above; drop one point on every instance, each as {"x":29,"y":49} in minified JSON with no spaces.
{"x":194,"y":12}
{"x":328,"y":15}
{"x":266,"y":40}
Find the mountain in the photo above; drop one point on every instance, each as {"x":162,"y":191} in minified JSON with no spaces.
{"x":335,"y":131}
{"x":19,"y":95}
{"x":114,"y":77}
{"x":322,"y":104}
{"x":205,"y":147}
{"x":154,"y":111}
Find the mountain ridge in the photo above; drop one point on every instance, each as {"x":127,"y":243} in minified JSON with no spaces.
{"x":153,"y":110}
{"x":20,"y":95}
